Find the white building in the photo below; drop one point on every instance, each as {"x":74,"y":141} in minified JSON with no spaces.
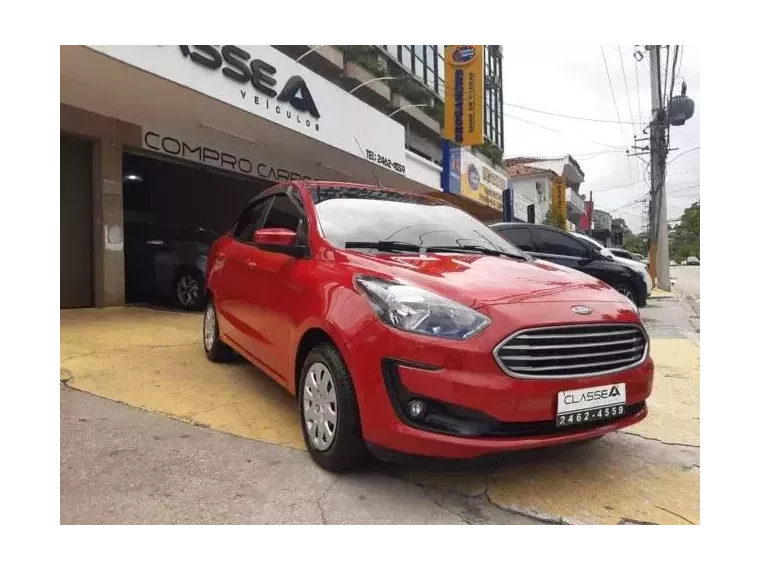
{"x":533,"y":177}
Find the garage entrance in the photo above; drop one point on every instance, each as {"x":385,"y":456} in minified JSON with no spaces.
{"x":76,"y":223}
{"x":173,"y":211}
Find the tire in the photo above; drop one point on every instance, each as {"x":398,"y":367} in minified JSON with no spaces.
{"x":325,"y":386}
{"x":215,"y":349}
{"x":628,"y":290}
{"x":188,"y":288}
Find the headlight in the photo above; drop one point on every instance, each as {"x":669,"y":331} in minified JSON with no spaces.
{"x":420,"y":311}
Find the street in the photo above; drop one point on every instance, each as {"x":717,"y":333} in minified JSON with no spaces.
{"x":243,"y":460}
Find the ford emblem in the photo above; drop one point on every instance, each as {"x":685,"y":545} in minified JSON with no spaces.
{"x":581,"y":310}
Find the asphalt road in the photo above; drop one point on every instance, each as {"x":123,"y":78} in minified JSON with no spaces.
{"x":687,"y":279}
{"x":122,"y":465}
{"x":686,"y":288}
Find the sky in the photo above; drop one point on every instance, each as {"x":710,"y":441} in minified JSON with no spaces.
{"x":573,"y":81}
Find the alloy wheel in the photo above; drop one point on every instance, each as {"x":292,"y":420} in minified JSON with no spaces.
{"x":627,"y":293}
{"x":187,"y":290}
{"x":320,"y":406}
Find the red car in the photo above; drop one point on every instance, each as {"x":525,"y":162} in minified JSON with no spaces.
{"x":405,"y":326}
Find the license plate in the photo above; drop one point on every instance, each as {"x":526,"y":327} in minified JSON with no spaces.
{"x":588,"y":405}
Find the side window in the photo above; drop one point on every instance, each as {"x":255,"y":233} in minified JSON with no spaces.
{"x":519,"y":237}
{"x":283,"y":214}
{"x":556,"y":243}
{"x":249,"y":220}
{"x":622,"y":253}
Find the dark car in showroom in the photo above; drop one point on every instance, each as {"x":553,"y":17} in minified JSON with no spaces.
{"x":563,"y":248}
{"x":167,"y":264}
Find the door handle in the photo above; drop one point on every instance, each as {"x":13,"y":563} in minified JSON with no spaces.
{"x":250,"y":264}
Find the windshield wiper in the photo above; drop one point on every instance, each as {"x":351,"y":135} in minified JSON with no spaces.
{"x":384,"y":245}
{"x":406,"y":246}
{"x":476,"y":249}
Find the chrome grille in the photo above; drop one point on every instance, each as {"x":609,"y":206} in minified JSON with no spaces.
{"x":572,"y":351}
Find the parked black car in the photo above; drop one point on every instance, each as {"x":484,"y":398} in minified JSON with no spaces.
{"x":561,"y":247}
{"x":167,"y":263}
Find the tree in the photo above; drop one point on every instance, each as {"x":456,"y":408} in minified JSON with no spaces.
{"x":685,"y":240}
{"x":635,"y":243}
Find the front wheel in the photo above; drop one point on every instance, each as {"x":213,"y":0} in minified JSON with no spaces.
{"x":628,"y":291}
{"x":329,"y":411}
{"x":216,"y":350}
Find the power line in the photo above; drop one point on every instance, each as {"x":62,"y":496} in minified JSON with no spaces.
{"x":673,"y":78}
{"x":680,"y":62}
{"x":682,"y":153}
{"x":640,"y":182}
{"x":594,"y":120}
{"x":560,"y":132}
{"x":627,"y":95}
{"x":614,"y":102}
{"x":664,"y":84}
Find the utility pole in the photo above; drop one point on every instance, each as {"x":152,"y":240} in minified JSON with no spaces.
{"x":659,"y":255}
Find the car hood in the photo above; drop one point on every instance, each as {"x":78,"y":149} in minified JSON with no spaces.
{"x":631,"y":263}
{"x":483,"y":280}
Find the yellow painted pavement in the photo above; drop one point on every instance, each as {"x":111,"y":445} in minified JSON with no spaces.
{"x":154,"y":360}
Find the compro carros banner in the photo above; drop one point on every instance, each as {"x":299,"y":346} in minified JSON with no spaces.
{"x":464,"y":81}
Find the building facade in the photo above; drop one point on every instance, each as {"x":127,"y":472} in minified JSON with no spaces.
{"x":426,"y":63}
{"x":168,"y":136}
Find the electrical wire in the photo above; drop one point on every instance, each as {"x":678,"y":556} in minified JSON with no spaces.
{"x":681,"y":154}
{"x":627,"y":95}
{"x":614,"y":102}
{"x":560,"y":132}
{"x":594,"y":120}
{"x":680,"y":62}
{"x":673,"y":78}
{"x":664,"y":84}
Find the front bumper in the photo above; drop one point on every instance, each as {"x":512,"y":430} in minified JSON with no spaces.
{"x":475,"y":408}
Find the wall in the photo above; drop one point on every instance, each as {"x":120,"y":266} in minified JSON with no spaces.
{"x":526,"y":187}
{"x":108,"y":136}
{"x":423,"y":171}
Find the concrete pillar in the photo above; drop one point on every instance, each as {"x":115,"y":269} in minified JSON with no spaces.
{"x":109,"y":223}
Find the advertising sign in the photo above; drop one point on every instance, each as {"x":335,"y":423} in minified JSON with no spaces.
{"x":480,"y":182}
{"x":464,"y":79}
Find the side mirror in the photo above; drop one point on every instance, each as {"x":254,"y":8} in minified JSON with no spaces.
{"x":606,"y":254}
{"x":279,"y":240}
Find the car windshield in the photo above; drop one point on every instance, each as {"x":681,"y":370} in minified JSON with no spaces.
{"x":393,"y":221}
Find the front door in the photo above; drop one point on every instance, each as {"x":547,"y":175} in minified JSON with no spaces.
{"x":235,"y":286}
{"x":274,"y":288}
{"x":560,"y":248}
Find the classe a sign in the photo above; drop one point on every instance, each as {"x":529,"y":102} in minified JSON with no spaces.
{"x":268,"y":84}
{"x":237,"y":65}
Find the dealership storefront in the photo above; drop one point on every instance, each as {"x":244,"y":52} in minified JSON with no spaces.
{"x":184,"y":135}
